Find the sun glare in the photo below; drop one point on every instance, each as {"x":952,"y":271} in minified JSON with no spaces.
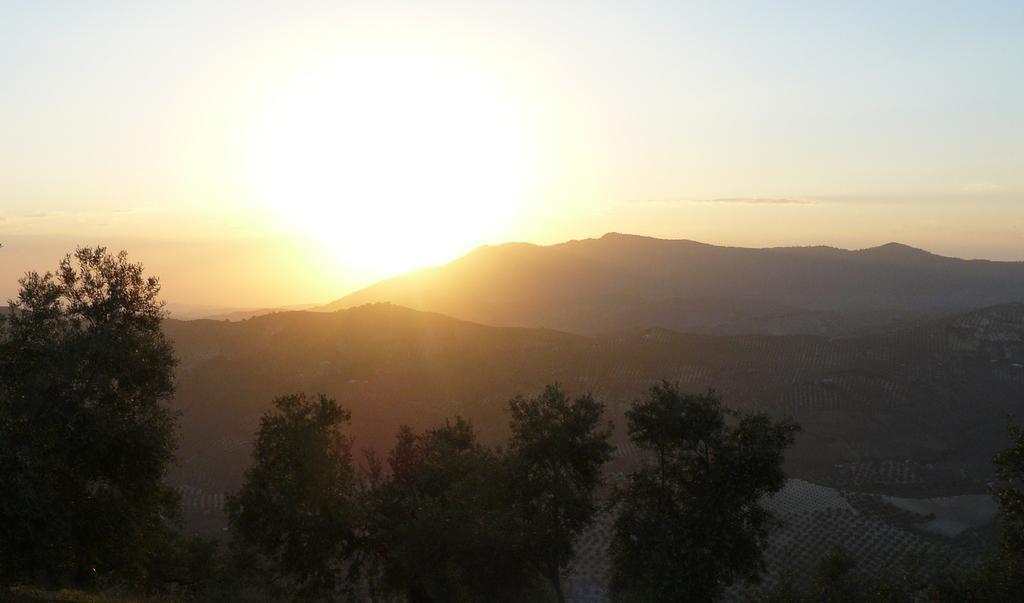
{"x":393,"y":163}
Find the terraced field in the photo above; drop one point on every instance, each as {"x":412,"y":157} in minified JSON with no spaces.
{"x":813,"y":521}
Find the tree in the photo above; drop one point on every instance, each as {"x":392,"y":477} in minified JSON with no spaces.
{"x":836,"y":579}
{"x":299,"y":504}
{"x":557,"y":450}
{"x":692,"y":522}
{"x":1001,"y":577}
{"x":1009,"y":491}
{"x":443,"y":523}
{"x":85,"y":439}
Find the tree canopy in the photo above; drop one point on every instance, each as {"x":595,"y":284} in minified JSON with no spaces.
{"x":557,"y":452}
{"x":443,"y":518}
{"x":299,"y":503}
{"x":691,"y":521}
{"x":85,"y":439}
{"x":445,"y":528}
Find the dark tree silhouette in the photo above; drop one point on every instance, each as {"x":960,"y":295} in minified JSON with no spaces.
{"x":692,"y":522}
{"x":1001,"y":577}
{"x":299,"y":502}
{"x":556,"y":454}
{"x":85,"y":441}
{"x":1009,"y":491}
{"x":444,"y":524}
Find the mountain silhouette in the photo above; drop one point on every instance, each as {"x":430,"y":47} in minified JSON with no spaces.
{"x":624,"y":281}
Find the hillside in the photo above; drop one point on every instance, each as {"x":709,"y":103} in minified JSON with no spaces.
{"x":917,"y":410}
{"x":621,"y":281}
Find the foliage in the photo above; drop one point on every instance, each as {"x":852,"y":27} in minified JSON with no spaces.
{"x":445,"y":518}
{"x":1001,"y":577}
{"x":299,"y":503}
{"x":836,"y":579}
{"x":1009,"y":492}
{"x":188,"y":566}
{"x":31,"y":594}
{"x":85,"y":441}
{"x":445,"y":530}
{"x":556,"y":455}
{"x":692,"y":522}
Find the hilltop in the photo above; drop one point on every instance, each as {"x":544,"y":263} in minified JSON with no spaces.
{"x":623,"y":281}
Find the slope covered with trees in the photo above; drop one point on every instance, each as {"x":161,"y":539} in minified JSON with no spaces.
{"x":918,"y":410}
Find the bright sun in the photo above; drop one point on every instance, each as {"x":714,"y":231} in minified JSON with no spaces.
{"x":393,"y":163}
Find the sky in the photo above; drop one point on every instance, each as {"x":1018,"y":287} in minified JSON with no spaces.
{"x":259,"y":154}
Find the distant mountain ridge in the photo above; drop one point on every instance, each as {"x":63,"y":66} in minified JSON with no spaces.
{"x":254,"y":312}
{"x":625,"y":281}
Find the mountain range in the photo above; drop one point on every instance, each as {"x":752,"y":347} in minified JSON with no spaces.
{"x":623,"y":281}
{"x":901,"y":366}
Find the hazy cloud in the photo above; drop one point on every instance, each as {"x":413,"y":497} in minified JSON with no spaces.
{"x":64,"y":220}
{"x":83,"y":213}
{"x":759,"y":201}
{"x":939,"y":198}
{"x":980,"y":191}
{"x":725,"y":200}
